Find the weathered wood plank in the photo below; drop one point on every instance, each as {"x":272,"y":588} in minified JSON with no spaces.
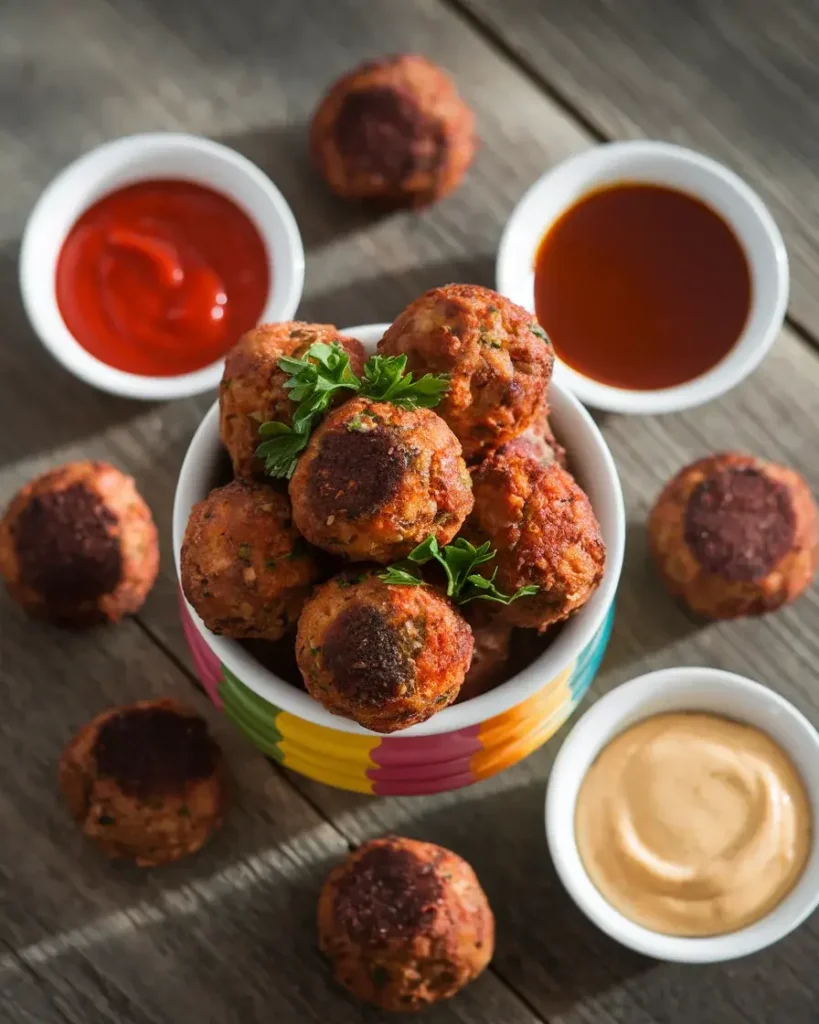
{"x":249,"y":73}
{"x":736,"y":80}
{"x":227,"y":935}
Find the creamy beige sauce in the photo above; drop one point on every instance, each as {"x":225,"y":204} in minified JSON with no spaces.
{"x":691,"y":824}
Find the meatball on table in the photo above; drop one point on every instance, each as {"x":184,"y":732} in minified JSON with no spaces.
{"x":402,"y":136}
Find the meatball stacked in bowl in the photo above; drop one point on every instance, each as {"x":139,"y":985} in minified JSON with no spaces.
{"x":325,"y":557}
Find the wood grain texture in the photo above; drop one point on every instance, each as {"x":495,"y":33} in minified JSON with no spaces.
{"x":736,"y":80}
{"x":229,"y":935}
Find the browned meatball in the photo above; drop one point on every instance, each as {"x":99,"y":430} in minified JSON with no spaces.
{"x":252,"y":389}
{"x":386,"y":656}
{"x":498,"y":358}
{"x":376,"y":480}
{"x":492,"y":636}
{"x":405,"y":923}
{"x":244,"y":567}
{"x":78,"y":545}
{"x":394,"y":130}
{"x":734,"y":535}
{"x":145,"y":781}
{"x":543,"y":445}
{"x":545,"y":533}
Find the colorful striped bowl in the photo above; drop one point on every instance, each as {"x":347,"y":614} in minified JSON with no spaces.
{"x":461,"y":744}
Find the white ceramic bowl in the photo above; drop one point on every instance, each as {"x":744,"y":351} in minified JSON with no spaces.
{"x":661,"y":164}
{"x":596,"y":472}
{"x":123,"y":162}
{"x":681,"y":689}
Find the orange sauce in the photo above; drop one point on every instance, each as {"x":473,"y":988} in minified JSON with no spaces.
{"x":641,"y":286}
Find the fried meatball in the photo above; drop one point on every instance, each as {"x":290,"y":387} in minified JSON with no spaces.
{"x":78,"y":545}
{"x":146,"y":781}
{"x":492,"y":636}
{"x":545,"y":533}
{"x":499,"y":361}
{"x":376,"y":480}
{"x":244,"y":567}
{"x":395,"y":131}
{"x":252,"y":390}
{"x":405,"y":923}
{"x":733,"y":535}
{"x":387,"y":656}
{"x":543,"y":445}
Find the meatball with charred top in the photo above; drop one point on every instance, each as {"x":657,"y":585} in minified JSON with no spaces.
{"x":252,"y":390}
{"x":404,"y":923}
{"x":498,"y":359}
{"x":145,"y":781}
{"x":395,"y":131}
{"x":376,"y":480}
{"x":78,"y":545}
{"x":733,"y":535}
{"x":545,"y":533}
{"x":386,"y":656}
{"x":244,"y":567}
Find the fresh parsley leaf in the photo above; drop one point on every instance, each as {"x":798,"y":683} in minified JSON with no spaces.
{"x":386,"y":380}
{"x":539,"y":332}
{"x":458,"y":560}
{"x":402,"y":577}
{"x":316,"y":376}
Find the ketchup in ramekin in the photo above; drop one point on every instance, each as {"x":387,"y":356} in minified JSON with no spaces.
{"x":160,"y":278}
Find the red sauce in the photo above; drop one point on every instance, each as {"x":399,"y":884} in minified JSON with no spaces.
{"x":161,"y":277}
{"x":641,"y":287}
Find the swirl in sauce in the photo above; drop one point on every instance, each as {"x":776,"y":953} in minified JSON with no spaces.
{"x":693,"y":825}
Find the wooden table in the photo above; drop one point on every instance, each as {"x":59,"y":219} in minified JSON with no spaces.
{"x":229,"y":935}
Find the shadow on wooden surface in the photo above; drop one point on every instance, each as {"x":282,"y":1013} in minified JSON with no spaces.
{"x":74,"y":410}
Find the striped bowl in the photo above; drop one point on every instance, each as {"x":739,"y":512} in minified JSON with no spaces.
{"x":461,"y":744}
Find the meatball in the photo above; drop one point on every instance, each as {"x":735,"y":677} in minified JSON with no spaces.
{"x":244,"y":567}
{"x":145,"y":781}
{"x":395,"y":131}
{"x":252,"y":390}
{"x":387,"y":656}
{"x":733,"y":535}
{"x":78,"y":545}
{"x":543,"y":445}
{"x":498,"y":358}
{"x":492,"y":636}
{"x":376,"y":480}
{"x":405,"y":923}
{"x":545,"y":533}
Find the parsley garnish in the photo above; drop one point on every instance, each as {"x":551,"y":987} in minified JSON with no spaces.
{"x":312,"y":381}
{"x":458,"y":560}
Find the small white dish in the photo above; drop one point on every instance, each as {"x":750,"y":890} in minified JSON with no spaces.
{"x":658,"y":163}
{"x":681,"y":689}
{"x":123,"y":162}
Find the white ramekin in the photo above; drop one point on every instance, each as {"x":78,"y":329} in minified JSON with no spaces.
{"x":595,"y":470}
{"x":681,"y":689}
{"x":661,"y":164}
{"x":123,"y":162}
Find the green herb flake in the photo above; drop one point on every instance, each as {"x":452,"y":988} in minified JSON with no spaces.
{"x":357,"y":424}
{"x":244,"y":552}
{"x":491,"y":309}
{"x":539,"y":332}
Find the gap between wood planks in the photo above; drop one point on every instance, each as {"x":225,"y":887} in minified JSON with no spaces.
{"x":474,"y":21}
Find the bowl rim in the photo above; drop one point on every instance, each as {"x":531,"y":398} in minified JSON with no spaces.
{"x":682,"y":688}
{"x":573,"y":638}
{"x":740,"y":206}
{"x":99,"y":171}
